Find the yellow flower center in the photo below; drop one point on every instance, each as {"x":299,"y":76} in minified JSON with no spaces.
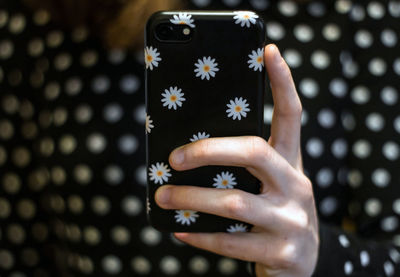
{"x":259,"y":59}
{"x":246,"y":16}
{"x":186,"y":214}
{"x":238,"y":109}
{"x":182,"y":22}
{"x":206,"y":68}
{"x":159,"y":173}
{"x":224,"y":182}
{"x":173,"y":98}
{"x":149,"y":58}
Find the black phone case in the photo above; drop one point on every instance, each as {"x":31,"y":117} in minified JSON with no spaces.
{"x":211,"y":86}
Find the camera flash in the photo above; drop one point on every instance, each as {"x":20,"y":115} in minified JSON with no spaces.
{"x":186,"y":31}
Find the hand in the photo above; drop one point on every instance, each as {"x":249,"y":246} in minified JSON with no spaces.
{"x":284,"y":240}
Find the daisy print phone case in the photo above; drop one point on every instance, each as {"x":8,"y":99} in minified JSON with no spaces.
{"x":205,"y":78}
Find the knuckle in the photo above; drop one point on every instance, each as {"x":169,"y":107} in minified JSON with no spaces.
{"x":200,"y":149}
{"x":258,"y":150}
{"x":236,"y":205}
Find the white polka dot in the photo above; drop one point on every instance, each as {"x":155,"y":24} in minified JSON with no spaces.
{"x":360,"y":95}
{"x":350,"y":68}
{"x":16,"y":234}
{"x":83,"y":113}
{"x":91,"y":235}
{"x":394,"y":255}
{"x":331,"y":32}
{"x":304,"y":117}
{"x":381,"y":177}
{"x":268,"y":112}
{"x":111,"y":264}
{"x":6,"y":129}
{"x":6,"y":49}
{"x":52,"y":90}
{"x":396,"y":240}
{"x":364,"y":258}
{"x":324,"y":177}
{"x":26,"y":209}
{"x":391,"y":150}
{"x":89,"y":58}
{"x":389,"y":95}
{"x":120,"y":235}
{"x":10,"y":104}
{"x":140,"y":114}
{"x":129,"y":84}
{"x":231,"y":3}
{"x":113,"y":175}
{"x":141,"y":265}
{"x":377,"y":66}
{"x":5,"y":208}
{"x":73,"y":86}
{"x":326,"y":118}
{"x":227,"y":266}
{"x":67,"y":144}
{"x":396,"y":206}
{"x":357,"y":12}
{"x":3,"y":155}
{"x":303,"y":33}
{"x":388,"y":38}
{"x":373,"y":207}
{"x":389,"y":268}
{"x":375,"y":122}
{"x":328,"y":206}
{"x":41,"y":17}
{"x":128,"y":144}
{"x":6,"y":259}
{"x":309,"y":88}
{"x":17,"y":24}
{"x":343,"y":6}
{"x":170,"y":265}
{"x":390,"y":224}
{"x":21,"y":156}
{"x":3,"y":18}
{"x":60,"y":116}
{"x":150,"y":236}
{"x":35,"y":47}
{"x":316,"y":9}
{"x":396,"y":66}
{"x":344,"y":241}
{"x":132,"y":205}
{"x":275,"y":31}
{"x":100,"y":84}
{"x":116,"y":56}
{"x":62,"y":61}
{"x":79,"y":34}
{"x":82,"y":174}
{"x":363,"y":38}
{"x":113,"y":112}
{"x":198,"y":265}
{"x":338,"y":87}
{"x":320,"y":59}
{"x":396,"y":124}
{"x":259,"y":4}
{"x":375,"y":10}
{"x":348,"y":268}
{"x":75,"y":204}
{"x":339,"y":148}
{"x":354,"y":178}
{"x":96,"y":143}
{"x":315,"y":147}
{"x":141,"y":175}
{"x":101,"y":205}
{"x":54,"y":39}
{"x":292,"y":58}
{"x":394,"y":8}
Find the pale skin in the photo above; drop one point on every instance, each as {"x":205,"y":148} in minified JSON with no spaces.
{"x":284,"y":240}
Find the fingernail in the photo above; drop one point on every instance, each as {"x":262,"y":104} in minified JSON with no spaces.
{"x":277,"y":54}
{"x":178,"y":156}
{"x":162,"y":195}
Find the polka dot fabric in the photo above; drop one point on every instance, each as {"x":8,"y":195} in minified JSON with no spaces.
{"x":72,"y":120}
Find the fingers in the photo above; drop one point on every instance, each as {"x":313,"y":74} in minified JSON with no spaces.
{"x":286,"y":120}
{"x":254,"y":247}
{"x":229,"y":203}
{"x":253,"y":153}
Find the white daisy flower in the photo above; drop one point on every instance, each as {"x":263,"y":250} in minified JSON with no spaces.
{"x":245,"y":18}
{"x":256,"y":59}
{"x":225,"y":180}
{"x":186,"y":217}
{"x":159,"y":173}
{"x":237,"y":228}
{"x":173,"y":98}
{"x":206,"y":68}
{"x":199,"y":136}
{"x":149,"y":124}
{"x":183,"y":18}
{"x":151,"y":57}
{"x":237,"y":108}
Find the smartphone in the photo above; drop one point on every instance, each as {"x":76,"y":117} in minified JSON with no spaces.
{"x":205,"y":78}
